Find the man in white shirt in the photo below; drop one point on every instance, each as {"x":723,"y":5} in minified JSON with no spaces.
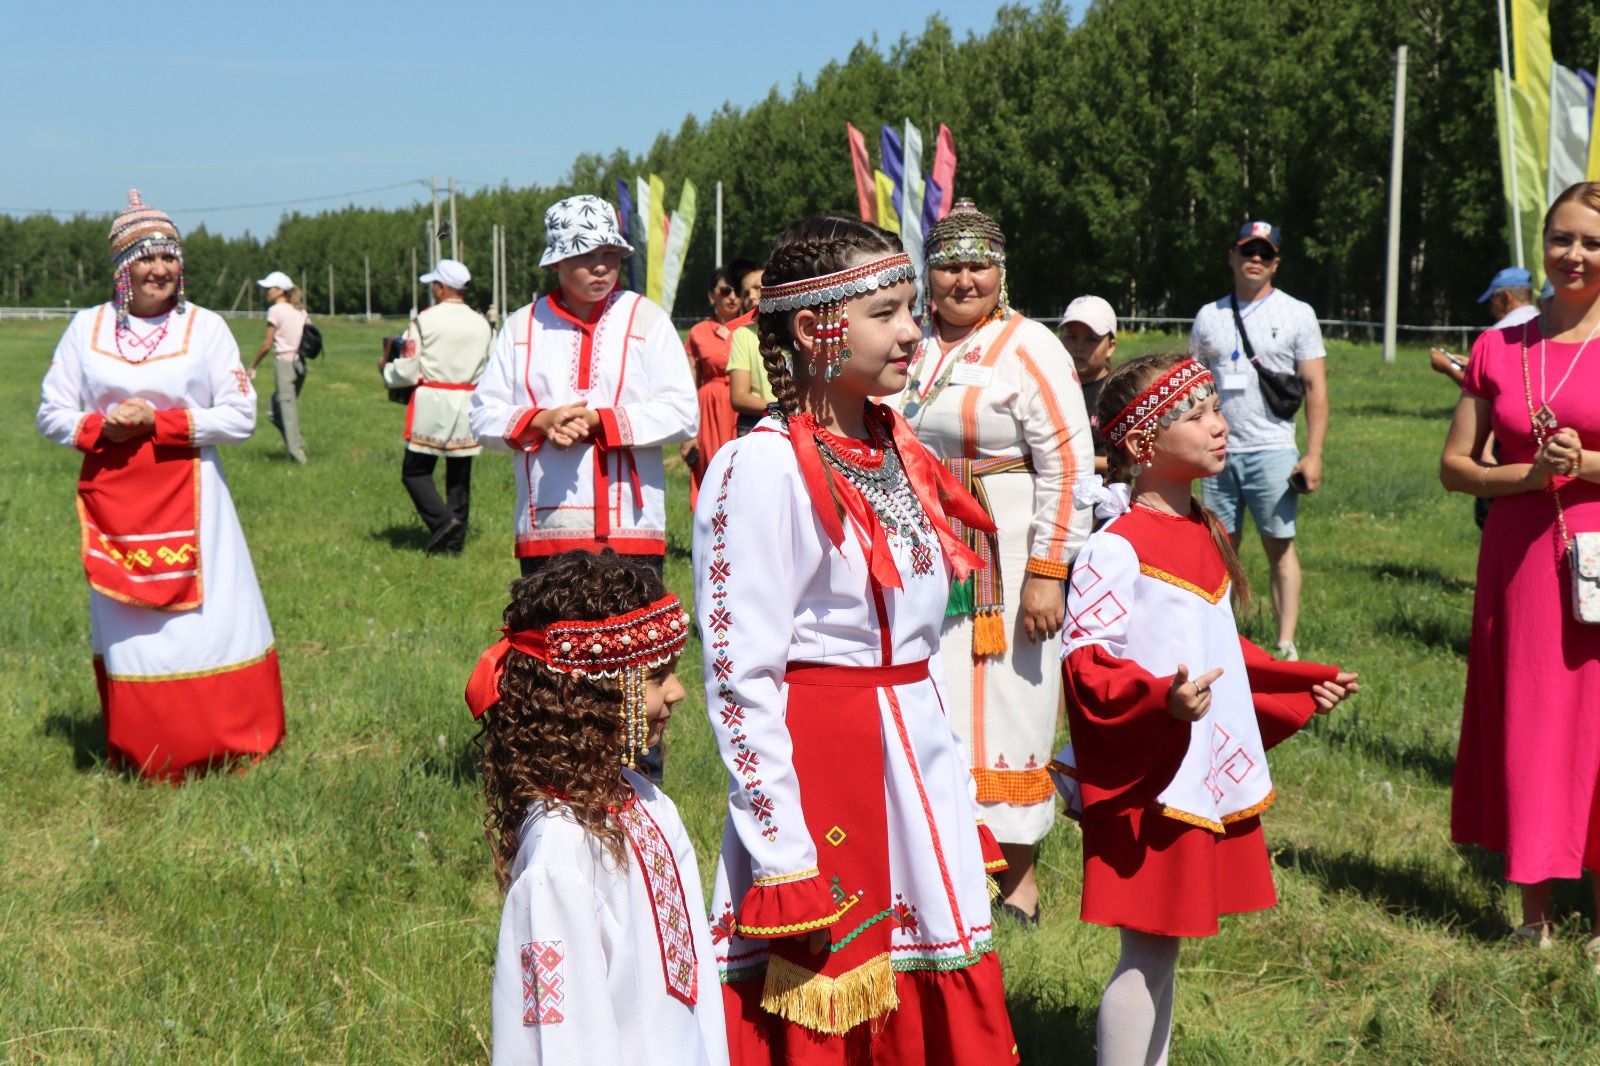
{"x":446,"y":348}
{"x":1259,"y":340}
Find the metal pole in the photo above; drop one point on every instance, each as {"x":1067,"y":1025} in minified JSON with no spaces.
{"x":719,"y":223}
{"x":1391,"y":286}
{"x":330,"y":290}
{"x":433,"y":234}
{"x":455,"y":241}
{"x":413,"y":282}
{"x":428,"y":237}
{"x":505,"y":278}
{"x":1511,"y":138}
{"x":366,"y":266}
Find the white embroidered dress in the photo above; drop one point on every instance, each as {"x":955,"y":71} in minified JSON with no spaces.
{"x":196,"y":683}
{"x":579,"y":970}
{"x":627,"y":364}
{"x":1009,"y":393}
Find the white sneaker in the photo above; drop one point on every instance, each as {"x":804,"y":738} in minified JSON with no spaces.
{"x":1288,"y":652}
{"x":1533,"y":935}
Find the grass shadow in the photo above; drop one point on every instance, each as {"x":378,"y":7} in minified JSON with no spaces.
{"x":1430,"y":760}
{"x":1406,"y":889}
{"x":84,"y":731}
{"x":1062,"y":1034}
{"x":1426,"y":575}
{"x":457,"y":764}
{"x":1428,"y":629}
{"x":1390,"y":409}
{"x":405,"y":536}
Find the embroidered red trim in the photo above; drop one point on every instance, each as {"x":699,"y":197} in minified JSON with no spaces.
{"x":1162,"y":394}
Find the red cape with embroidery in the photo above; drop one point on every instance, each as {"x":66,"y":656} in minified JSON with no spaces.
{"x":1142,"y":869}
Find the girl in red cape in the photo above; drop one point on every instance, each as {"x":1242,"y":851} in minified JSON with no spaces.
{"x":1171,"y":711}
{"x":851,"y":910}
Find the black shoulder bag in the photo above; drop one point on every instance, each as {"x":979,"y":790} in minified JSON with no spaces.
{"x":1283,"y":393}
{"x":310,"y":341}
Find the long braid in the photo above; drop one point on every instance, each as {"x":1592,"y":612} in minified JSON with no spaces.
{"x":1127,"y":382}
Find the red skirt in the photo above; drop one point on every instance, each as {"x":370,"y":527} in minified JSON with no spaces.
{"x":1154,"y":874}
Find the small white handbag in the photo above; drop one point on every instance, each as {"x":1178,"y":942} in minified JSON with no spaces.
{"x":1583,"y":556}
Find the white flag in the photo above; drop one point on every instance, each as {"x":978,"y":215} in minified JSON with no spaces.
{"x":1569,"y":130}
{"x":911,"y":217}
{"x":677,"y":245}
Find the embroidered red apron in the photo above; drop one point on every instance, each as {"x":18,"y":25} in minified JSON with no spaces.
{"x":139,"y":508}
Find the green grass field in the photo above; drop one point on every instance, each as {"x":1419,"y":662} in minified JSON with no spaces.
{"x":336,"y":903}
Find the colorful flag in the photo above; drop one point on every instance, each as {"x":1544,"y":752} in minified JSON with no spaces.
{"x":866,"y":194}
{"x":911,"y":212}
{"x":625,"y":222}
{"x":1530,"y":71}
{"x":1569,"y":131}
{"x":677,"y":244}
{"x":1520,"y":150}
{"x":930,"y":204}
{"x":656,"y":276}
{"x":641,"y":230}
{"x":1592,"y":171}
{"x":887,"y":217}
{"x":944,"y":169}
{"x":893,"y":160}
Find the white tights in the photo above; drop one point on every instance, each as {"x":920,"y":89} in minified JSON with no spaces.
{"x":1136,"y":1011}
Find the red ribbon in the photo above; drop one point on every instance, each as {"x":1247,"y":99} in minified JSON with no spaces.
{"x":483,"y":687}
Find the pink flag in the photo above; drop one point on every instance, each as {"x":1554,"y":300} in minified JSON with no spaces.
{"x":866,"y":186}
{"x":944,"y":168}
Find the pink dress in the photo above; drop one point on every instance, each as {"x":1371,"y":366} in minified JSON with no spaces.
{"x":1529,"y":760}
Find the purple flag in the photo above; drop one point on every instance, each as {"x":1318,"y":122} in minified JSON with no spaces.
{"x":624,"y":213}
{"x":894,"y":165}
{"x":932,"y":197}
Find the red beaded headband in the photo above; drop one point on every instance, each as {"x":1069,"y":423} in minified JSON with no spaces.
{"x":641,"y":639}
{"x":1160,"y":397}
{"x":838,"y":286}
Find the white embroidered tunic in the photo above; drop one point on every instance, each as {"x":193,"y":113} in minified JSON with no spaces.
{"x":580,"y":974}
{"x":1009,"y":393}
{"x":446,"y":349}
{"x":627,"y":364}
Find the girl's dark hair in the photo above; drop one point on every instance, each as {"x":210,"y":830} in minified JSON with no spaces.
{"x":724,"y":275}
{"x":739,"y":269}
{"x":809,"y":248}
{"x":1122,"y":388}
{"x":557,"y":738}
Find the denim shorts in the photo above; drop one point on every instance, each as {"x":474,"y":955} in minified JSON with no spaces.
{"x":1259,"y":481}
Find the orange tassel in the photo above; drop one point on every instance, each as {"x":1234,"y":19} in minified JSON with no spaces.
{"x":988,"y":633}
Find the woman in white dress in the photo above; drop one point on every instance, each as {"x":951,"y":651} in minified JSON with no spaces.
{"x":146,"y":386}
{"x":994,"y":395}
{"x":604,"y":953}
{"x":851,"y":909}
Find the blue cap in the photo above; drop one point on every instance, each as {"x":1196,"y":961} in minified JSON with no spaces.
{"x":1259,"y":230}
{"x":1509,"y":278}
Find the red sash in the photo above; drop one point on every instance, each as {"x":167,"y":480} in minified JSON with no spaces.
{"x":139,"y":506}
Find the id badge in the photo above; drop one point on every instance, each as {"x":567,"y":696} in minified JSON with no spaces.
{"x":1235,"y":381}
{"x":972,"y":374}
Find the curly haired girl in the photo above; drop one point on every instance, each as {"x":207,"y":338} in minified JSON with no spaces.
{"x":604,"y":950}
{"x":1171,"y":711}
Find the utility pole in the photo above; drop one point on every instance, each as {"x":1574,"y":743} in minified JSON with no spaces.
{"x":366,"y":266}
{"x":719,"y":223}
{"x":433,"y":235}
{"x":494,"y":270}
{"x":1391,"y":287}
{"x":455,"y":241}
{"x":330,"y":290}
{"x":413,"y":281}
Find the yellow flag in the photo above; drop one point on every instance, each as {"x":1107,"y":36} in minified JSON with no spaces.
{"x":1592,"y":172}
{"x":1530,"y":174}
{"x":1530,"y":51}
{"x":888,"y":218}
{"x":656,"y":255}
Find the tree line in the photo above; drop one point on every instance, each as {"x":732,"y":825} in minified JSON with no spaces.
{"x":1119,"y":154}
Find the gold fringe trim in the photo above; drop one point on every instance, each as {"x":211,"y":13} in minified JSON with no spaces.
{"x":988,"y":633}
{"x":832,"y":1005}
{"x":994,"y":887}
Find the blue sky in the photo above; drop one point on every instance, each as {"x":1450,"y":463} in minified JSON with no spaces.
{"x":208,"y":106}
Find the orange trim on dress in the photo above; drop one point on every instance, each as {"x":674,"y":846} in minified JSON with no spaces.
{"x":94,"y":341}
{"x":1016,"y":788}
{"x":969,"y":402}
{"x":1187,"y":586}
{"x":1048,"y":568}
{"x":1069,"y":462}
{"x":189,"y":675}
{"x":1227,"y":819}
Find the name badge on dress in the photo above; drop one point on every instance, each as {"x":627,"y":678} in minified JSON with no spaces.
{"x":1236,"y":382}
{"x":972,"y":374}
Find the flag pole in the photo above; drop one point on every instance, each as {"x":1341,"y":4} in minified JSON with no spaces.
{"x":1511,"y":137}
{"x":1391,"y":287}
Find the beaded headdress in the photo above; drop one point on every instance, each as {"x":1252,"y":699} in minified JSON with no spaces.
{"x":967,"y":235}
{"x":828,"y":294}
{"x":628,"y":646}
{"x":1167,"y":398}
{"x":138,"y":232}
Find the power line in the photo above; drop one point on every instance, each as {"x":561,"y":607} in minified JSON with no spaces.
{"x":224,"y":207}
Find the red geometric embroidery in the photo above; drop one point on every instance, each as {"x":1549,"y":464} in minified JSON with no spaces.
{"x":921,"y":560}
{"x":721,"y":618}
{"x":904,"y":914}
{"x":1238,"y":766}
{"x":244,"y":382}
{"x":1102,"y":612}
{"x":542,"y":982}
{"x":746,"y":761}
{"x":1084,"y":578}
{"x":732,"y":714}
{"x":725,"y":928}
{"x":674,"y":934}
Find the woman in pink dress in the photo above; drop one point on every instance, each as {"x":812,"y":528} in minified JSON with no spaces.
{"x":708,"y":346}
{"x":1529,"y":760}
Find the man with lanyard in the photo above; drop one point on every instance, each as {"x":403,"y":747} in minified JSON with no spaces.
{"x":1265,"y":350}
{"x":446,"y":347}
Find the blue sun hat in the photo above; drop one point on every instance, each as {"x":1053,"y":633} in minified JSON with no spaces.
{"x":580,"y":224}
{"x":1509,"y":278}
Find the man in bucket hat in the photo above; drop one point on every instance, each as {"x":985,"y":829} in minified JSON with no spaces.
{"x":1264,"y":348}
{"x":587,"y":384}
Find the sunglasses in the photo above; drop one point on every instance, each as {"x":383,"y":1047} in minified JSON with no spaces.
{"x":1259,"y":250}
{"x":721,"y":291}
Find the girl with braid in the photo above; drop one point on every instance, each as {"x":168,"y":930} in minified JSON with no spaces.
{"x":1171,"y":711}
{"x":850,"y":915}
{"x":604,"y":952}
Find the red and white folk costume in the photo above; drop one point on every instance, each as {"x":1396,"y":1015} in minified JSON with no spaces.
{"x":850,"y":807}
{"x":597,"y":963}
{"x":1171,"y":809}
{"x":627,"y":363}
{"x":183,"y":649}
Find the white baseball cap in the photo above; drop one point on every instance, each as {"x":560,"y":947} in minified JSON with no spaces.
{"x":1093,"y":312}
{"x":450,"y":273}
{"x":276,"y":280}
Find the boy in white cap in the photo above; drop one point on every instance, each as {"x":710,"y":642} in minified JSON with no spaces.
{"x":1089,"y":333}
{"x":446,"y":348}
